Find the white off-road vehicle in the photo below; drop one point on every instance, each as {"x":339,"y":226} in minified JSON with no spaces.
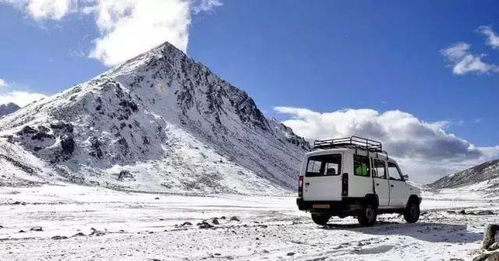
{"x":354,"y":177}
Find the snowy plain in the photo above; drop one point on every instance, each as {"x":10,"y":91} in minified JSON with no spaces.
{"x":95,"y":223}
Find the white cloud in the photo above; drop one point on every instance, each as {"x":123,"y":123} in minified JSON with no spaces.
{"x":20,"y":98}
{"x":44,"y":9}
{"x":127,"y":27}
{"x":50,"y":9}
{"x":463,"y":61}
{"x":426,"y":150}
{"x":492,"y":37}
{"x":131,"y":27}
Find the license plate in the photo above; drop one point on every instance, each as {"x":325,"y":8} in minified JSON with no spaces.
{"x":320,"y":206}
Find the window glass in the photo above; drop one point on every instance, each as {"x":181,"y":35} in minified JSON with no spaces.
{"x":394,"y":171}
{"x":324,"y":165}
{"x":361,"y":165}
{"x":379,"y":169}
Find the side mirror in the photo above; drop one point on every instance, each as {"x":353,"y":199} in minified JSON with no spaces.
{"x":406,"y":177}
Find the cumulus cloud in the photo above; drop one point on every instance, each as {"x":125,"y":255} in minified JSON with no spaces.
{"x":463,"y":61}
{"x":131,"y":27}
{"x":127,"y":28}
{"x":492,"y":37}
{"x":425,"y":149}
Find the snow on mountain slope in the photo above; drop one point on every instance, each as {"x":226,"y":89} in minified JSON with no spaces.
{"x":159,"y":122}
{"x":482,"y":177}
{"x":8,"y":108}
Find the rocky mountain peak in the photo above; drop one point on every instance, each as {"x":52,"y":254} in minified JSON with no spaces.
{"x":8,"y":108}
{"x":166,"y":109}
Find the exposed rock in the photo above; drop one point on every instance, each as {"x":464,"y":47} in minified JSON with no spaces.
{"x":484,"y":212}
{"x":8,"y":108}
{"x":489,"y":251}
{"x":204,"y":225}
{"x":37,"y":228}
{"x":489,"y":235}
{"x":126,"y":175}
{"x":97,"y":233}
{"x":68,"y":144}
{"x":59,"y":237}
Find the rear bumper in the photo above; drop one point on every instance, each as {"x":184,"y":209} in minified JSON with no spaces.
{"x":340,"y":208}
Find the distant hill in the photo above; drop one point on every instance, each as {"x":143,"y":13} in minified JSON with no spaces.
{"x":8,"y":108}
{"x":486,"y":172}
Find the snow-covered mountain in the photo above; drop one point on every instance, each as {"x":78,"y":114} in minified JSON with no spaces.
{"x":484,"y":176}
{"x":8,"y":108}
{"x":158,"y":122}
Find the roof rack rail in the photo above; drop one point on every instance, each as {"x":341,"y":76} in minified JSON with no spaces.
{"x":353,"y":142}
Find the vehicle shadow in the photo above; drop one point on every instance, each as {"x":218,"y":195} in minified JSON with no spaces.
{"x":431,"y":232}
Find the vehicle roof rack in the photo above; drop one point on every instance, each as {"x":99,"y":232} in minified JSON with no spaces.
{"x":353,"y":142}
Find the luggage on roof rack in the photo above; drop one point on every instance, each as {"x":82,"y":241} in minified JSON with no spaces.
{"x":353,"y":142}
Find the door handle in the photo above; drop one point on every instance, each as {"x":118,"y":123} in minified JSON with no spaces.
{"x":306,"y":184}
{"x":377,"y":184}
{"x":391,"y":186}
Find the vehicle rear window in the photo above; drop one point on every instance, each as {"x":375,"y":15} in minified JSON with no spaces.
{"x":361,"y":165}
{"x":324,"y":165}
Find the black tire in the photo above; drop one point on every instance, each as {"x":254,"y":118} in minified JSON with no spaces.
{"x":320,"y":219}
{"x":411,"y":214}
{"x":367,"y":215}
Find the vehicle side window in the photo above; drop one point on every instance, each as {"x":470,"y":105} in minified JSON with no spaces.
{"x":394,"y":171}
{"x":379,"y":169}
{"x":361,"y":166}
{"x":324,"y":165}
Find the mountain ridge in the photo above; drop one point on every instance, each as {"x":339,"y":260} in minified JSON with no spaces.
{"x":487,"y":173}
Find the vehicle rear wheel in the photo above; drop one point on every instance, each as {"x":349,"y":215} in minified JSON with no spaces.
{"x":320,"y":219}
{"x":367,"y":215}
{"x":411,"y":214}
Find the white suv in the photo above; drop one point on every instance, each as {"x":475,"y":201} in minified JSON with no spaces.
{"x":354,"y":177}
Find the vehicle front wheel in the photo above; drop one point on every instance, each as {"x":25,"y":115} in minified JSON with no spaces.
{"x":367,"y":215}
{"x":411,"y":214}
{"x":320,"y":219}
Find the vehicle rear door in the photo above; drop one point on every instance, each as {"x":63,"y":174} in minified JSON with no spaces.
{"x":398,"y":188}
{"x":322,"y":179}
{"x":381,"y":185}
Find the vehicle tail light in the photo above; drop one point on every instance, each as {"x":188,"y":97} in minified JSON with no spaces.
{"x":300,"y":186}
{"x":344,"y":185}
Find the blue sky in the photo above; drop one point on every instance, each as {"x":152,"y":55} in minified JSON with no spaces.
{"x":323,"y":56}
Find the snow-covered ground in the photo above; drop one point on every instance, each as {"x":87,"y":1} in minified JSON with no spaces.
{"x":95,"y":223}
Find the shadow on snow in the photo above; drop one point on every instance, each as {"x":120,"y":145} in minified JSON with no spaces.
{"x":431,"y":232}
